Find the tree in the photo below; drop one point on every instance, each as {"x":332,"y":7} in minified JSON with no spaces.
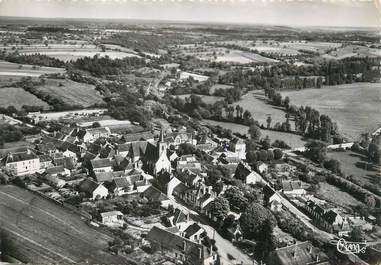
{"x":253,"y":219}
{"x":265,"y":241}
{"x":333,"y":165}
{"x":251,"y":157}
{"x":266,"y":142}
{"x":268,"y":120}
{"x":219,"y":209}
{"x":255,"y":132}
{"x":357,"y":234}
{"x":374,"y":153}
{"x":286,"y":102}
{"x":236,"y":198}
{"x":316,"y":151}
{"x":278,"y":154}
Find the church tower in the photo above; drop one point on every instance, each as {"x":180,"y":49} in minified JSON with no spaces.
{"x":162,"y":145}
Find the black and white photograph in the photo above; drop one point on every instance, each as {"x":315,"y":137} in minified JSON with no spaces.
{"x":190,"y":132}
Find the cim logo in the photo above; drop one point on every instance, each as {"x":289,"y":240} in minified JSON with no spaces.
{"x":348,"y":247}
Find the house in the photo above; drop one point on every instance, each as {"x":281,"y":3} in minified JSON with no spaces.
{"x":22,"y":163}
{"x":293,"y":188}
{"x":46,"y":148}
{"x":177,"y":218}
{"x":303,"y":253}
{"x":194,"y":232}
{"x":188,"y":162}
{"x":204,"y":200}
{"x":238,"y":146}
{"x":123,"y":149}
{"x":181,"y":249}
{"x":190,"y":178}
{"x":271,"y":198}
{"x":140,"y":136}
{"x":93,"y":190}
{"x":177,"y":138}
{"x":101,"y":165}
{"x":112,"y":219}
{"x":89,"y":135}
{"x":153,"y":194}
{"x":234,"y":232}
{"x":45,"y":161}
{"x":129,"y":184}
{"x":246,"y":175}
{"x":55,"y":181}
{"x":57,"y":170}
{"x":70,"y":150}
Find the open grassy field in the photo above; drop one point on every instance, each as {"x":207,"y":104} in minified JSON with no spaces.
{"x":357,"y":165}
{"x":8,"y":70}
{"x":292,"y":140}
{"x":351,"y":51}
{"x":17,"y":97}
{"x":354,"y":107}
{"x":335,"y":196}
{"x":72,"y":93}
{"x":40,"y":231}
{"x":256,"y":102}
{"x":67,"y":52}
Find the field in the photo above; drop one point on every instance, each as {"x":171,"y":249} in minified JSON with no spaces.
{"x":67,"y":52}
{"x":41,"y":231}
{"x":356,"y":164}
{"x":354,"y":107}
{"x":292,"y":140}
{"x":17,"y":97}
{"x":72,"y":93}
{"x":8,"y":70}
{"x":351,"y":51}
{"x":256,"y":102}
{"x":335,"y":196}
{"x":219,"y":86}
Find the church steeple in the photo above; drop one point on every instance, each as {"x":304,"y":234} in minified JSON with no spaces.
{"x":162,"y":145}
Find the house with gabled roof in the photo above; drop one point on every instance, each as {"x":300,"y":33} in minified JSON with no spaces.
{"x":22,"y":163}
{"x":246,"y":175}
{"x":153,"y":194}
{"x":101,"y":165}
{"x":177,"y":218}
{"x":238,"y":146}
{"x":181,"y":249}
{"x":92,"y":189}
{"x":194,"y":232}
{"x":303,"y":253}
{"x":112,"y":219}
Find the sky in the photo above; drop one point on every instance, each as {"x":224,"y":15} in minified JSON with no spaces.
{"x":353,"y":13}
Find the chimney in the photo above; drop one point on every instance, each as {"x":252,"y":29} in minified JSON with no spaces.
{"x":200,"y":253}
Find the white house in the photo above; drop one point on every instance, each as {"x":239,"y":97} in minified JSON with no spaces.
{"x":22,"y":163}
{"x":101,"y":165}
{"x":246,"y":175}
{"x":293,"y":188}
{"x":58,"y":170}
{"x":112,"y":218}
{"x":93,"y":190}
{"x":238,"y":146}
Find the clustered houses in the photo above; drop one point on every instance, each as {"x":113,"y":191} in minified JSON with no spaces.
{"x":183,"y":239}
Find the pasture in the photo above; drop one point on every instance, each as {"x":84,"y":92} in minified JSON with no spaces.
{"x":358,"y":166}
{"x":256,"y":102}
{"x":10,"y":70}
{"x":17,"y":97}
{"x":335,"y":196}
{"x":72,"y":93}
{"x":354,"y":107}
{"x":293,"y":140}
{"x":352,"y":51}
{"x":40,"y":231}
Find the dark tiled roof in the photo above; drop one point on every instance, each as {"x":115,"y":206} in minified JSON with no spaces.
{"x":132,"y":137}
{"x":299,"y":254}
{"x":154,"y":194}
{"x":99,"y":163}
{"x":55,"y":170}
{"x":22,"y":156}
{"x":172,"y":242}
{"x":191,"y":230}
{"x":88,"y":186}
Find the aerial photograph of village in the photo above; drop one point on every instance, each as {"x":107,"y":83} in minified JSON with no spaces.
{"x":190,"y":132}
